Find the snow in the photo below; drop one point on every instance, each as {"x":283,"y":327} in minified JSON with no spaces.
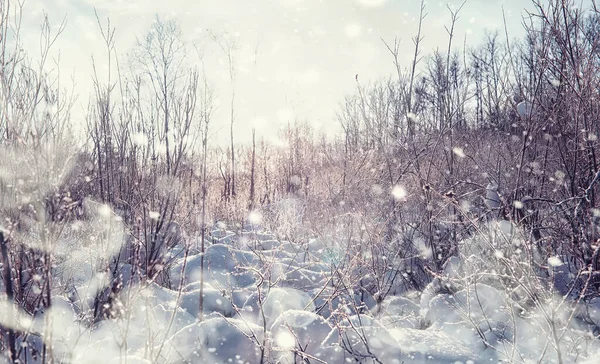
{"x":593,"y":310}
{"x":273,"y":303}
{"x":398,"y":312}
{"x":398,"y":192}
{"x":268,"y":298}
{"x":223,"y":266}
{"x":300,"y":330}
{"x":525,"y":109}
{"x":480,"y":304}
{"x":216,"y":340}
{"x":214,"y":301}
{"x":130,"y":359}
{"x":492,"y":198}
{"x":429,"y":346}
{"x":365,"y":338}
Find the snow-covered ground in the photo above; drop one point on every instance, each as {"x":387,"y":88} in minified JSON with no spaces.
{"x":273,"y":301}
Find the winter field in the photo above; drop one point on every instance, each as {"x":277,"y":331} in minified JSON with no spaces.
{"x":452,"y":215}
{"x":270,"y":300}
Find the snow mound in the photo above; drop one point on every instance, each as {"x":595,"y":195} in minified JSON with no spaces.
{"x":478,"y":304}
{"x":365,"y":339}
{"x":434,"y":347}
{"x":223,"y":267}
{"x":398,"y":312}
{"x":298,"y":332}
{"x":214,"y":301}
{"x":130,"y":359}
{"x":276,"y":302}
{"x":215,"y":340}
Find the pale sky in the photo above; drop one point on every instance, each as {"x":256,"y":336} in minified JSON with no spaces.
{"x":308,"y":51}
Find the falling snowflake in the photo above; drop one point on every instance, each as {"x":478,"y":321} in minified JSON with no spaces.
{"x":398,"y":192}
{"x":459,"y":152}
{"x":285,"y":340}
{"x":104,"y":210}
{"x":554,"y":261}
{"x":139,"y":139}
{"x":255,"y":217}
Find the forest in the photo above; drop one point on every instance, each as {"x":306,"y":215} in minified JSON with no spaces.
{"x":453,"y":219}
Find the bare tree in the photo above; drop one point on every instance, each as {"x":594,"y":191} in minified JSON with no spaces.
{"x":206,"y":110}
{"x":228,"y":46}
